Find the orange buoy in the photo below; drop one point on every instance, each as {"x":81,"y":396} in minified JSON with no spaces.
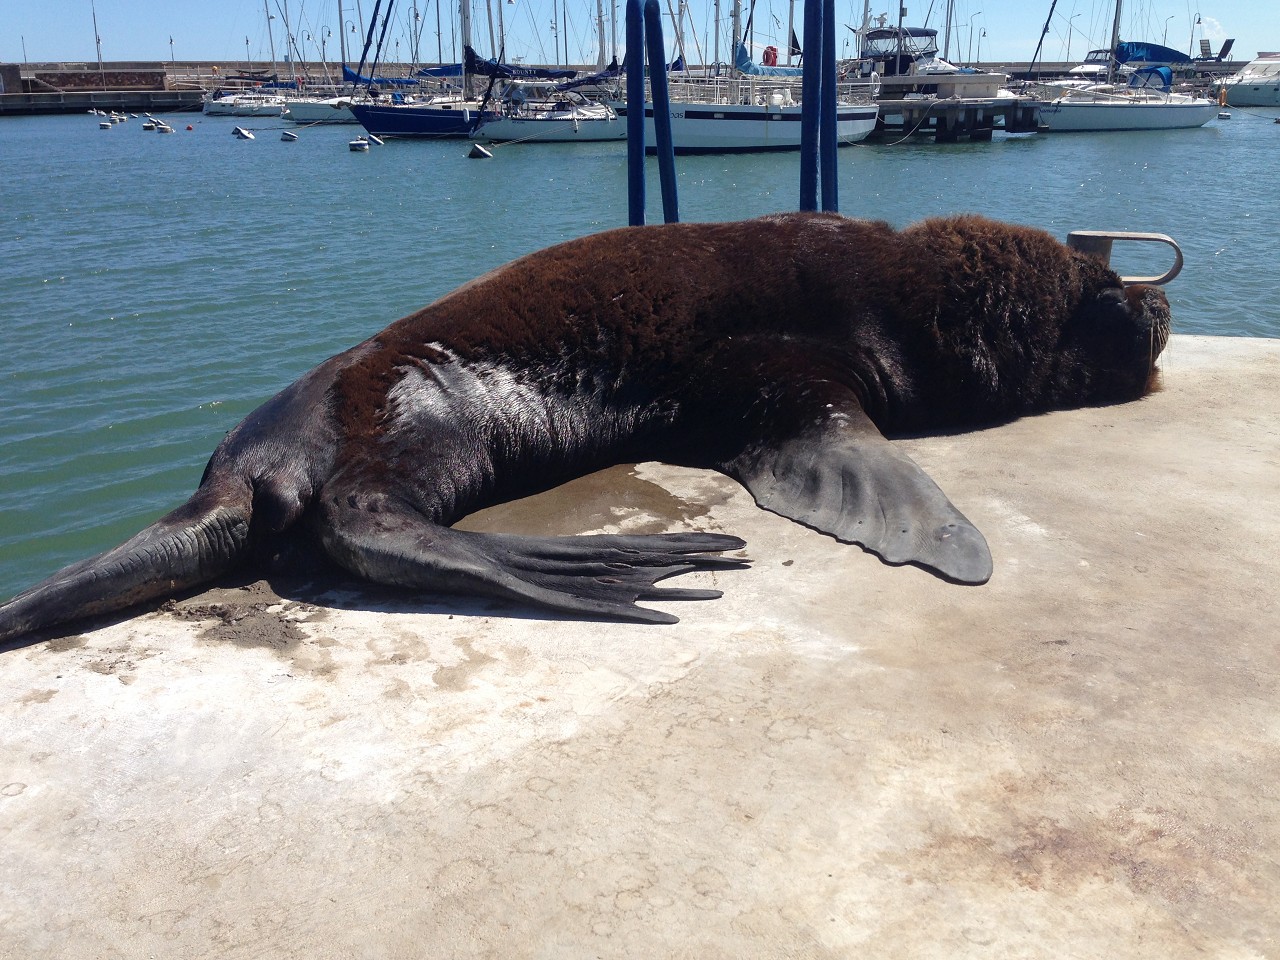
{"x":190,"y":127}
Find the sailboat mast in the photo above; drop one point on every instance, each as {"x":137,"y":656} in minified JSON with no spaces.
{"x":946,"y":39}
{"x":600,"y":61}
{"x":97,"y":42}
{"x":271,"y":38}
{"x":791,"y":27}
{"x":737,"y":29}
{"x":1115,"y":42}
{"x":715,"y":32}
{"x":342,"y":34}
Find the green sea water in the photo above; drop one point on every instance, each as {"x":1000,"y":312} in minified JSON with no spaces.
{"x":155,"y":288}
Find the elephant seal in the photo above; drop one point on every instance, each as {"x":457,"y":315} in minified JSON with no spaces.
{"x":778,"y":350}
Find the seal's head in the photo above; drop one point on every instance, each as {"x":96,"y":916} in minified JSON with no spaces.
{"x":1109,"y":345}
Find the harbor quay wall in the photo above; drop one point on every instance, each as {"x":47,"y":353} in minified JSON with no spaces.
{"x":156,"y":86}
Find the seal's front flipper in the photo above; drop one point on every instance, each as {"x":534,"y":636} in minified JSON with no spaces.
{"x":600,"y":576}
{"x":841,"y":476}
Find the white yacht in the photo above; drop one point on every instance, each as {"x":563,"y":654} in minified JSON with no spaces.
{"x":1257,"y":85}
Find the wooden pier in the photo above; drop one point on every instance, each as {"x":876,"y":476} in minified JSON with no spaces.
{"x":951,"y":107}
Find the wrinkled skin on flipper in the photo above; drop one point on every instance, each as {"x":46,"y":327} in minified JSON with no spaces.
{"x":778,"y":351}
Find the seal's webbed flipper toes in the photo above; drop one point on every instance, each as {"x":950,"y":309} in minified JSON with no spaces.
{"x":841,"y":476}
{"x":601,"y":576}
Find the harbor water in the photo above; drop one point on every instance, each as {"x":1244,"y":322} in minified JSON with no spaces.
{"x":155,"y":288}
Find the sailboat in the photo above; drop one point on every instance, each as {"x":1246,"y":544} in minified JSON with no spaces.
{"x":755,"y":108}
{"x":1146,"y":102}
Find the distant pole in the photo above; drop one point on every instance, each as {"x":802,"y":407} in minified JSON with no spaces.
{"x":171,"y":60}
{"x":24,"y":50}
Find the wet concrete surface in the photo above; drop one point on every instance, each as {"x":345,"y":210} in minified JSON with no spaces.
{"x":837,"y":759}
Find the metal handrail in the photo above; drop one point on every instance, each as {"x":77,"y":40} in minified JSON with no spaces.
{"x":1098,"y":243}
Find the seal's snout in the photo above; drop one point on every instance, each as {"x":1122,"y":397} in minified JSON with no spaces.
{"x":1150,"y":309}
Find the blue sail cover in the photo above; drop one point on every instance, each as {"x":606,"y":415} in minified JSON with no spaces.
{"x":611,"y":72}
{"x":1159,"y":78}
{"x":508,"y":71}
{"x":1137,"y":52}
{"x":350,"y":76}
{"x":744,"y":64}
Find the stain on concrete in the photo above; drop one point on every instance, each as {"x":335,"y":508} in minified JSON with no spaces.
{"x":458,"y":676}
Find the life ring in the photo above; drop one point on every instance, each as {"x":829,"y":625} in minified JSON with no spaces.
{"x":770,"y":58}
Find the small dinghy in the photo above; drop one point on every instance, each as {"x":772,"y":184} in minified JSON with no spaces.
{"x":359,"y":144}
{"x":288,"y":136}
{"x":240,"y":133}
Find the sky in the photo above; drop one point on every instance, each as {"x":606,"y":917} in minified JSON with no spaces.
{"x":987,"y":30}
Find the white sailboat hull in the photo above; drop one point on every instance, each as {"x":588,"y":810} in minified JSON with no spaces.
{"x":698,"y":127}
{"x":325,"y":110}
{"x":1069,"y":114}
{"x":244,"y":106}
{"x":552,"y":130}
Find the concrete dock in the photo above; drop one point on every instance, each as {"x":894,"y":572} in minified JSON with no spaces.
{"x":837,"y":759}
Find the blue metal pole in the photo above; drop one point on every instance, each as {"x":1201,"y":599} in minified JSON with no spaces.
{"x":827,"y":142}
{"x":635,"y":114}
{"x":810,"y":96}
{"x":661,"y":110}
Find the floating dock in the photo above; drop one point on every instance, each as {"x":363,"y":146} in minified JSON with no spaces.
{"x":836,"y":759}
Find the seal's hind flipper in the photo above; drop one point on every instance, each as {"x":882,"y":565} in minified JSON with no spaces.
{"x":188,"y":547}
{"x":599,"y":576}
{"x":841,"y":476}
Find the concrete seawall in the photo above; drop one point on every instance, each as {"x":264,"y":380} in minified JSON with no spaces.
{"x":836,"y":759}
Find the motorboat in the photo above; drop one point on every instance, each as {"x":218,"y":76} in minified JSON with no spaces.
{"x":1257,"y":84}
{"x":541,"y":113}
